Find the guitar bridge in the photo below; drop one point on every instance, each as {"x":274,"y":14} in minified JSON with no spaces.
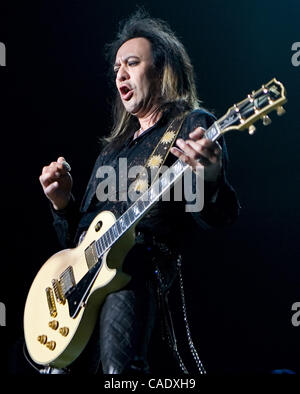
{"x":51,"y":302}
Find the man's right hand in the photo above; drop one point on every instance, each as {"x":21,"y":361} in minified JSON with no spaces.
{"x":57,"y":183}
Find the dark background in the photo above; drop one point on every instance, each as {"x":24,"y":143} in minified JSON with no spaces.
{"x":55,"y":100}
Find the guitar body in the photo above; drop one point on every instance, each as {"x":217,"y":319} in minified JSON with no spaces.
{"x":59,"y":343}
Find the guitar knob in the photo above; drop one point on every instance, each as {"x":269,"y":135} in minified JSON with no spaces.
{"x":51,"y":345}
{"x":280,"y":111}
{"x":53,"y":324}
{"x":266,"y":120}
{"x":64,"y":331}
{"x":251,"y":129}
{"x":42,"y":339}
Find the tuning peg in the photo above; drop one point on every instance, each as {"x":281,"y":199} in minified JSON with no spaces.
{"x":251,"y":129}
{"x":280,"y":111}
{"x":266,"y":120}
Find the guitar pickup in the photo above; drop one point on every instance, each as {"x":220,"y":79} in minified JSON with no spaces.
{"x":59,"y":295}
{"x":91,"y":255}
{"x":67,"y":281}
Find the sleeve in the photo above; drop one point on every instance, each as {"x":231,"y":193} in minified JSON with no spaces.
{"x":221,"y":206}
{"x":65,"y":222}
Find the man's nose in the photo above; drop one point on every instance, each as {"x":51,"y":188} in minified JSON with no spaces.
{"x":122,"y":74}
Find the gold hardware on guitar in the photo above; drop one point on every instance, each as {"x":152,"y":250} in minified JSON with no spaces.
{"x":42,"y":339}
{"x":252,"y":129}
{"x":51,"y":345}
{"x":280,"y":111}
{"x":64,"y":331}
{"x":51,"y":302}
{"x":60,"y":298}
{"x":53,"y":324}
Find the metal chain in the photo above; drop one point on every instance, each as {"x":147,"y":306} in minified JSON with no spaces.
{"x":167,"y":326}
{"x":169,"y":329}
{"x":198,"y":362}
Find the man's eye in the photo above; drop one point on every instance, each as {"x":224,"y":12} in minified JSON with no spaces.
{"x":132,"y":63}
{"x":116,"y":70}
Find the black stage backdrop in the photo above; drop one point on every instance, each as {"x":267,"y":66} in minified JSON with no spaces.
{"x":55,"y":100}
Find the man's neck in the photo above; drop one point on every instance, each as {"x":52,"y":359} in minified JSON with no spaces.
{"x":148,"y":121}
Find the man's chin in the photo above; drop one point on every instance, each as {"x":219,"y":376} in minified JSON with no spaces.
{"x":132,"y":109}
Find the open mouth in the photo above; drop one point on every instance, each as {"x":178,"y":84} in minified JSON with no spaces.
{"x":126,"y":93}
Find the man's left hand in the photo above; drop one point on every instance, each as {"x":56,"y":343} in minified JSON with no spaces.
{"x":199,"y":152}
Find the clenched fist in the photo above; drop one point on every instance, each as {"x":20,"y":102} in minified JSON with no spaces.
{"x":57,"y":182}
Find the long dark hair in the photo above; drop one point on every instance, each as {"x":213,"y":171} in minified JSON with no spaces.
{"x":171,"y":62}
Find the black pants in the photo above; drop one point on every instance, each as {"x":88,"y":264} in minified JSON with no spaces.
{"x":119,"y":343}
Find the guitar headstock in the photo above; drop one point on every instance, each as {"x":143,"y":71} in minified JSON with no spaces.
{"x":256,"y":106}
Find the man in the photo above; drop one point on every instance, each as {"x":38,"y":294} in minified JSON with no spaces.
{"x":155,"y":84}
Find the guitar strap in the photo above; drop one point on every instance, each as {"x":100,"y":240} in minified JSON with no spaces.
{"x":159,"y":155}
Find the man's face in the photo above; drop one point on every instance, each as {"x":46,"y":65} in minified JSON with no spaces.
{"x":134,"y":76}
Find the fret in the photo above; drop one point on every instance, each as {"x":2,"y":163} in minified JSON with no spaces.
{"x":165,"y":179}
{"x":108,"y":237}
{"x":122,"y":223}
{"x":146,"y":201}
{"x":111,"y":235}
{"x":119,"y":229}
{"x":136,"y":210}
{"x":131,"y":214}
{"x":102,"y":244}
{"x":178,"y":166}
{"x":98,"y":242}
{"x":98,"y":248}
{"x":115,"y":231}
{"x":151,"y":195}
{"x":105,"y":241}
{"x":140,"y":204}
{"x":126,"y":219}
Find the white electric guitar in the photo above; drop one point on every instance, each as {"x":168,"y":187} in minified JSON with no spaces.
{"x":65,"y":297}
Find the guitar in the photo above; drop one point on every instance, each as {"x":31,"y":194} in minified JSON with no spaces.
{"x":65,"y":297}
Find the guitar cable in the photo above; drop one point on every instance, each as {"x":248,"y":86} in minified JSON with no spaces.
{"x":27,"y":358}
{"x":44,"y":371}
